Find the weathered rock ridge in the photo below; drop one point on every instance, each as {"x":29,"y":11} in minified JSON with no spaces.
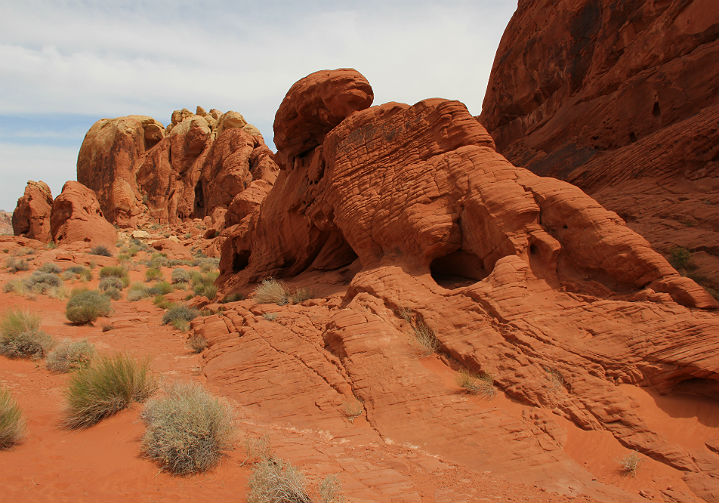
{"x":76,"y":216}
{"x":620,"y":99}
{"x":31,"y":217}
{"x":520,"y":276}
{"x":144,"y":172}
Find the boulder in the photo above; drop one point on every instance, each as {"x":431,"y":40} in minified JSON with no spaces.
{"x":6,"y":223}
{"x":620,"y":99}
{"x":31,"y":217}
{"x":76,"y":217}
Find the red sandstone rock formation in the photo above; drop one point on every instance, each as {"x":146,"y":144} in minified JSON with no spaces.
{"x":523,"y":277}
{"x":6,"y":222}
{"x":200,"y":162}
{"x":31,"y":217}
{"x":620,"y":99}
{"x":76,"y":216}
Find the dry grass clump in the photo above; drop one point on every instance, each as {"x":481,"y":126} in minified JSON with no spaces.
{"x":15,"y":264}
{"x":49,"y":267}
{"x":424,"y":335}
{"x":474,"y":384}
{"x":20,"y":336}
{"x":12,"y":425}
{"x":204,"y":284}
{"x":77,"y":272}
{"x":137,"y":291}
{"x":276,"y":481}
{"x":629,"y":464}
{"x":272,"y":291}
{"x":330,"y":490}
{"x":353,"y":409}
{"x":160,"y":288}
{"x":70,"y":355}
{"x":43,"y":283}
{"x":152,"y":274}
{"x":197,"y":343}
{"x":100,"y":250}
{"x":106,"y":387}
{"x":180,"y":276}
{"x":115,"y":271}
{"x":86,"y":306}
{"x":187,"y":430}
{"x":180,"y":316}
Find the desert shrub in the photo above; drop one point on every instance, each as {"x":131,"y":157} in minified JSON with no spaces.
{"x":49,"y":267}
{"x":160,"y":288}
{"x":86,"y":306}
{"x":629,"y":464}
{"x":197,"y":343}
{"x":276,"y":481}
{"x":330,"y":490}
{"x":100,"y":250}
{"x":180,"y":276}
{"x":113,"y":293}
{"x":270,"y":316}
{"x":137,"y":291}
{"x":208,"y":264}
{"x":180,"y":316}
{"x":106,"y":387}
{"x":156,"y":261}
{"x":205,"y":284}
{"x":17,"y":286}
{"x":15,"y":264}
{"x":42,"y":282}
{"x":187,"y":430}
{"x":21,"y":337}
{"x":353,"y":409}
{"x":51,"y":245}
{"x":11,"y":421}
{"x":271,"y":291}
{"x":232,"y":297}
{"x":153,"y":274}
{"x":679,"y":258}
{"x":110,"y":282}
{"x":474,"y":384}
{"x":424,"y":335}
{"x":70,"y":355}
{"x":300,"y":295}
{"x":77,"y":271}
{"x":115,"y":271}
{"x":163,"y":303}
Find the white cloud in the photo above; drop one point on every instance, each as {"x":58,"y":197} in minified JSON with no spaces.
{"x":108,"y":59}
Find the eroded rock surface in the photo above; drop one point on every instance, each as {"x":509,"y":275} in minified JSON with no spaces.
{"x":31,"y":217}
{"x":620,"y":99}
{"x":523,"y":277}
{"x":76,"y":216}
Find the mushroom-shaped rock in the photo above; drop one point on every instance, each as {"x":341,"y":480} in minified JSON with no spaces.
{"x":76,"y":216}
{"x":316,"y":104}
{"x":31,"y":217}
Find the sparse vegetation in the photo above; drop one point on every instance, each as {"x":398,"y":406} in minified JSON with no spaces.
{"x":100,"y":250}
{"x":77,"y":271}
{"x":156,"y":261}
{"x":21,"y":337}
{"x":353,"y":409}
{"x":110,"y":282}
{"x":276,"y":481}
{"x":86,"y":306}
{"x":180,"y":316}
{"x":37,"y":283}
{"x":106,"y":387}
{"x":474,"y":384}
{"x":270,"y":316}
{"x":15,"y":264}
{"x":208,"y":264}
{"x":680,"y":259}
{"x":232,"y":297}
{"x":180,"y":276}
{"x":49,"y":267}
{"x":197,"y":343}
{"x":187,"y":430}
{"x":115,"y":271}
{"x":153,"y":274}
{"x":12,"y":425}
{"x":272,"y":291}
{"x":629,"y":464}
{"x":424,"y":335}
{"x":330,"y":490}
{"x":137,"y":291}
{"x":70,"y":355}
{"x":160,"y":288}
{"x":204,"y":284}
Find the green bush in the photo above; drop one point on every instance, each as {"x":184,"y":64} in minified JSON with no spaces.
{"x":12,"y":425}
{"x":86,"y":306}
{"x":680,"y":258}
{"x":110,"y":282}
{"x":205,"y":284}
{"x":15,"y":264}
{"x":180,"y":276}
{"x":49,"y":267}
{"x":137,"y":291}
{"x":232,"y":297}
{"x":21,"y":337}
{"x":106,"y":387}
{"x":113,"y":293}
{"x":160,"y":288}
{"x":208,"y":264}
{"x":157,"y":260}
{"x":180,"y":316}
{"x":77,"y":271}
{"x":42,"y":282}
{"x":153,"y":273}
{"x":187,"y":430}
{"x":70,"y":355}
{"x":100,"y":250}
{"x":117,"y":272}
{"x":276,"y":481}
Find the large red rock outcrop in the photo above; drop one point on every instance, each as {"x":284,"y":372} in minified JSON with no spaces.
{"x":200,"y":162}
{"x":76,"y":216}
{"x":31,"y":217}
{"x":520,"y":276}
{"x":620,"y":99}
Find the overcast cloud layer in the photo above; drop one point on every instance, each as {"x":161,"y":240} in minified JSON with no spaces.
{"x":64,"y":65}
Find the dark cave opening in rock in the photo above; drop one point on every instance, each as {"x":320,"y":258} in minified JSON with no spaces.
{"x":199,"y":205}
{"x":458,"y":269}
{"x":240,"y":261}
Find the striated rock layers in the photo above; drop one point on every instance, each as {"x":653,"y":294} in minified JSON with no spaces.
{"x":620,"y":99}
{"x":523,"y":277}
{"x":76,"y":216}
{"x":196,"y":165}
{"x":31,"y":217}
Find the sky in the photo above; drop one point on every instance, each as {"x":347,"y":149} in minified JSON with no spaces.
{"x":66,"y":64}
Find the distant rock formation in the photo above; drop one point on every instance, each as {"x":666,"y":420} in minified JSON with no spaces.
{"x":31,"y":217}
{"x":6,"y":223}
{"x":620,"y":99}
{"x":142,"y":171}
{"x":76,"y":216}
